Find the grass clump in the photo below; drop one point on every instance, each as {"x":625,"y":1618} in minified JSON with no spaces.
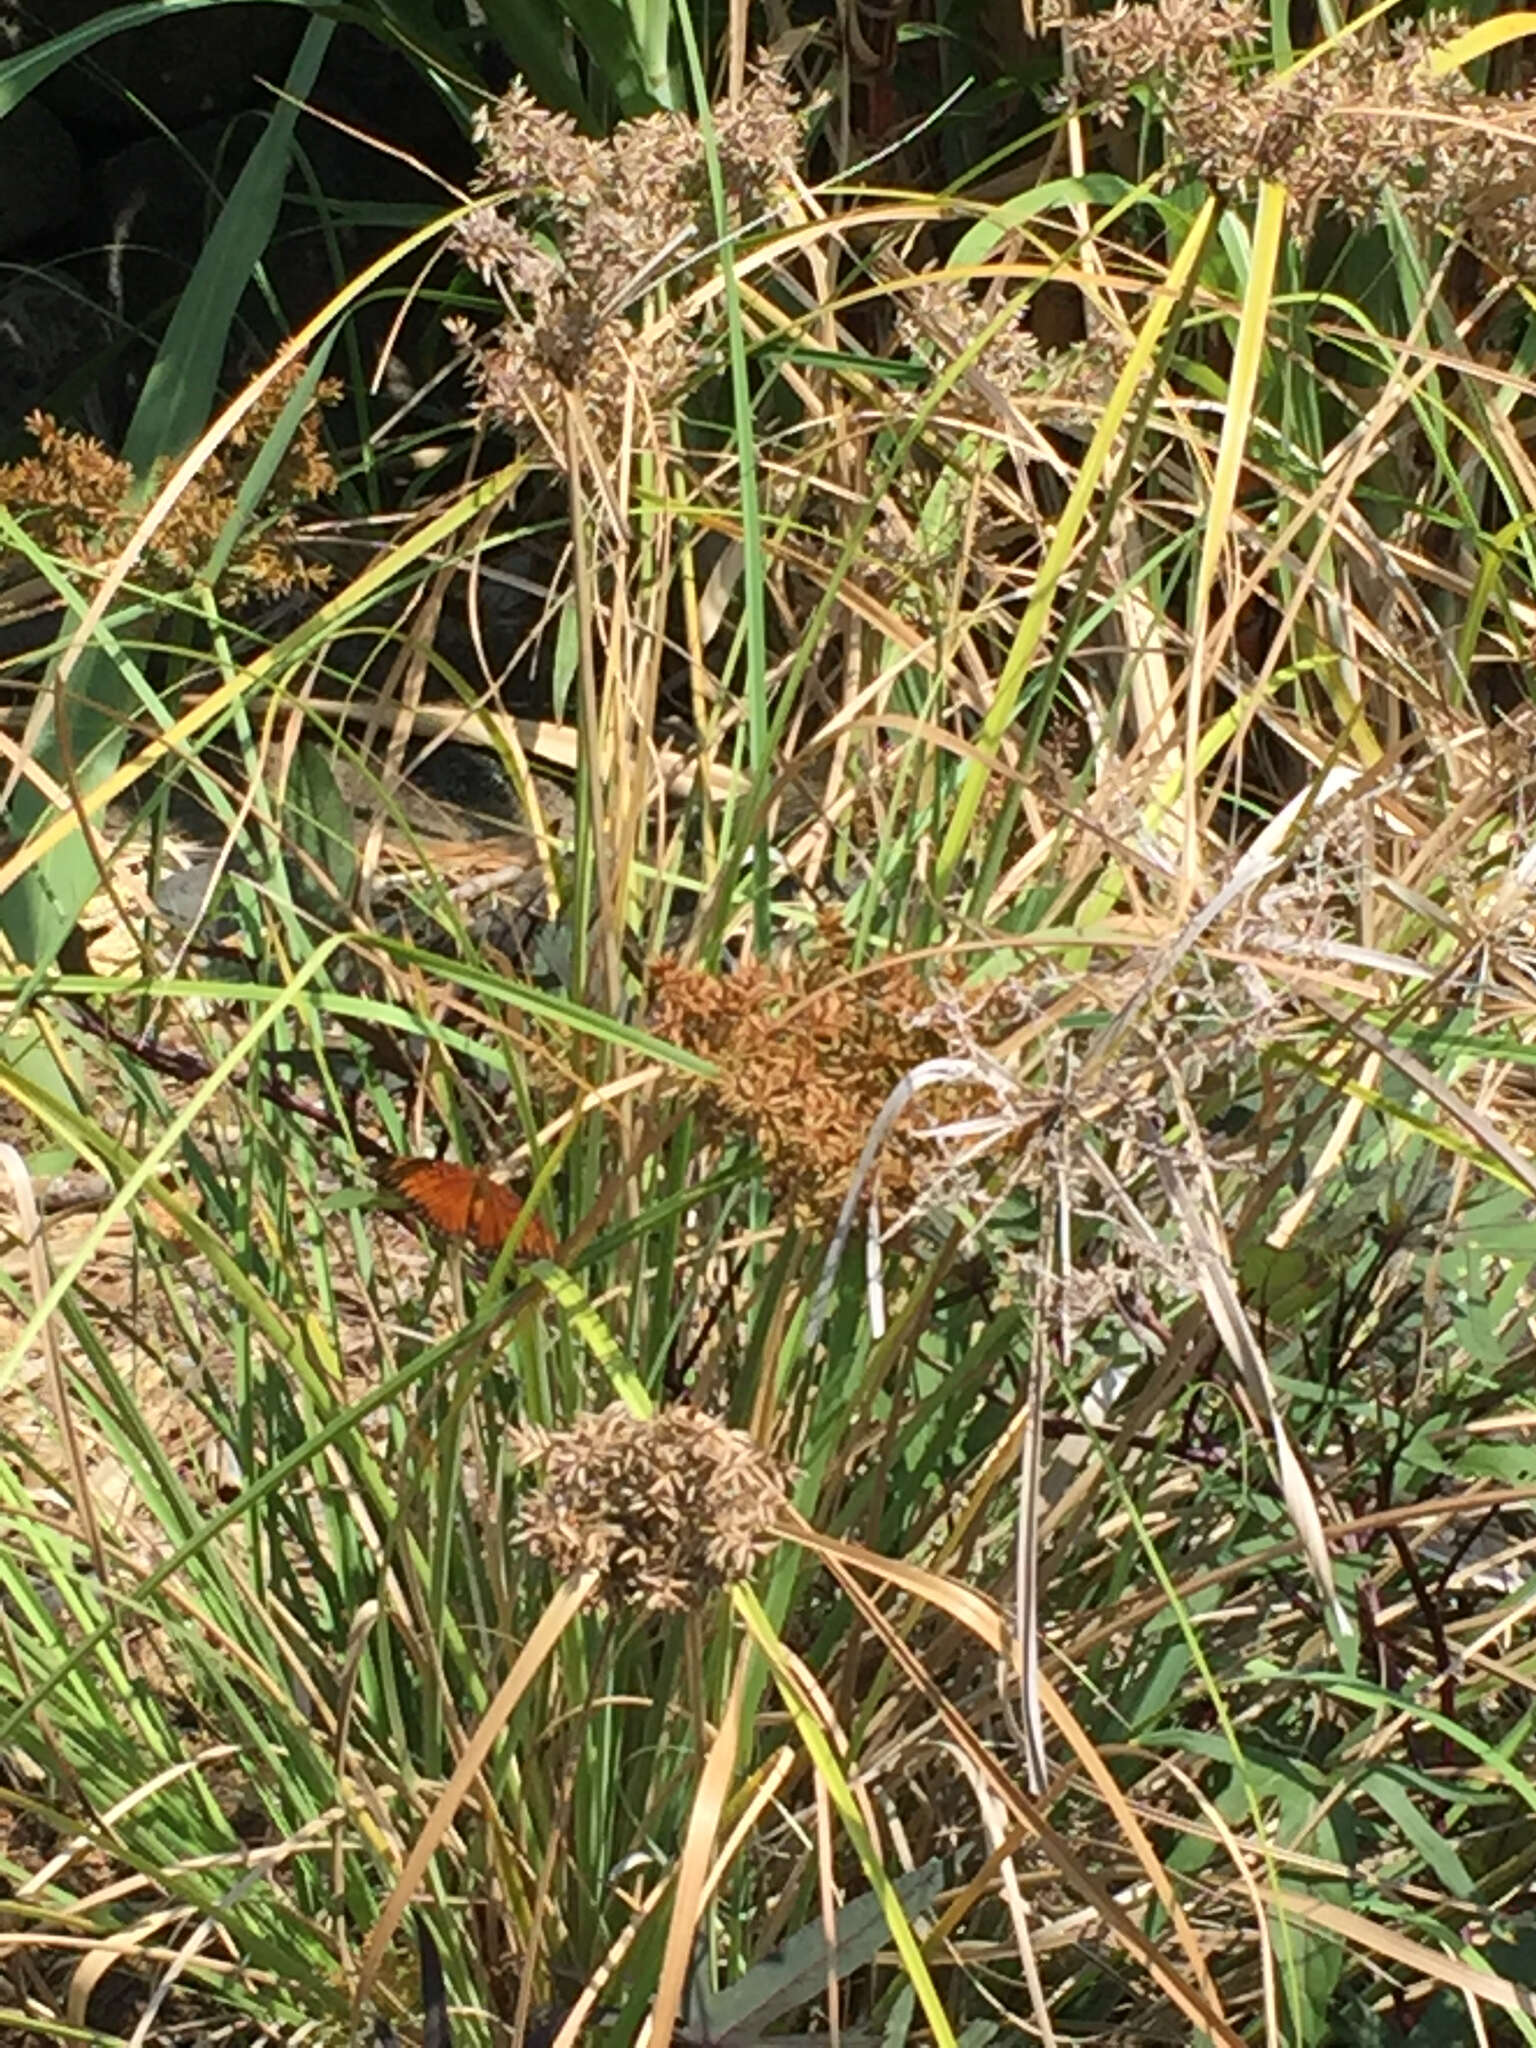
{"x":997,"y":708}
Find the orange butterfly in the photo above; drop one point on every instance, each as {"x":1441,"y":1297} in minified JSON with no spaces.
{"x":463,"y":1201}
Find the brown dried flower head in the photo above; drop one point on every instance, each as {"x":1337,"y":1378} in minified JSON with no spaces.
{"x":1361,"y":118}
{"x":939,"y":318}
{"x":1135,"y":44}
{"x":574,"y":230}
{"x":760,"y":139}
{"x":808,"y":1052}
{"x":81,"y":502}
{"x":668,"y":1508}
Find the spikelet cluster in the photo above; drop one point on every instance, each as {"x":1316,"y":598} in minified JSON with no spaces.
{"x":667,"y":1508}
{"x":574,"y":232}
{"x":81,"y":502}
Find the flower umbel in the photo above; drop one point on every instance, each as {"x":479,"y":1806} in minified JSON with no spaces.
{"x":573,"y":231}
{"x":1363,"y":118}
{"x":668,"y":1508}
{"x":80,"y":501}
{"x":808,"y":1052}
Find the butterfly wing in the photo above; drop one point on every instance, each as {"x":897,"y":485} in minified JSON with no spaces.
{"x":461,"y":1201}
{"x":495,"y":1217}
{"x":439,"y":1192}
{"x":492,"y":1213}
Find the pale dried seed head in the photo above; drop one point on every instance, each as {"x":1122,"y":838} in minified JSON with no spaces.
{"x":667,"y":1508}
{"x":1365,"y":118}
{"x":574,"y":229}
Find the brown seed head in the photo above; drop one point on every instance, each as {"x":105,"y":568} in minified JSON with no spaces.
{"x":668,"y":1508}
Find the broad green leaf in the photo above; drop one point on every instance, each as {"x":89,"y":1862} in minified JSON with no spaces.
{"x":1095,"y":188}
{"x":1396,"y":1800}
{"x":317,"y":831}
{"x":178,"y":393}
{"x":796,"y":1974}
{"x":619,"y":41}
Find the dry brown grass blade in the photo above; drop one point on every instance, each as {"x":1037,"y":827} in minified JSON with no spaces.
{"x":30,"y":1222}
{"x":138,"y":1942}
{"x":694,"y":1863}
{"x":1002,"y":1842}
{"x":562,"y":1610}
{"x":1031,"y":1503}
{"x":765,"y":1792}
{"x":973,"y":1611}
{"x":1104,"y":1782}
{"x":74,"y":1852}
{"x":1205,"y":1239}
{"x":1441,"y":1513}
{"x":1386,"y":1942}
